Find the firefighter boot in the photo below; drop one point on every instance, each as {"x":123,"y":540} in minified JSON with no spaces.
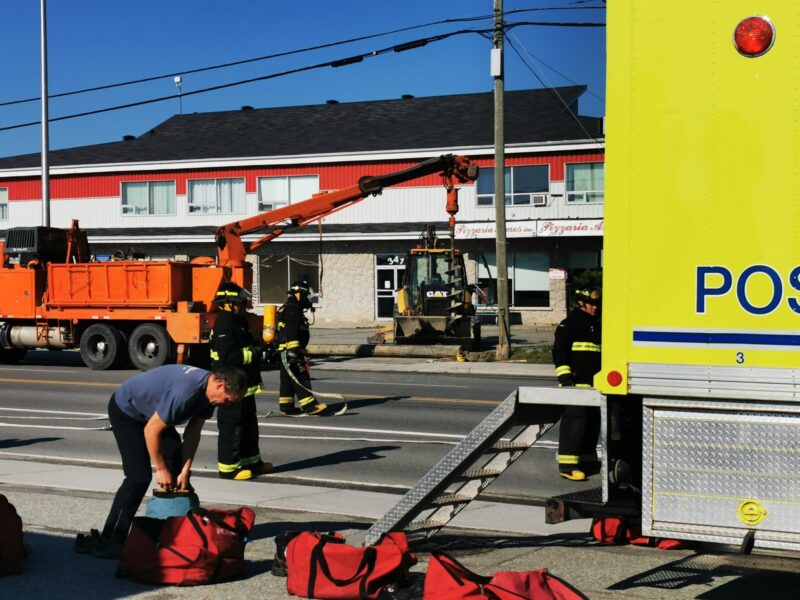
{"x":573,"y":475}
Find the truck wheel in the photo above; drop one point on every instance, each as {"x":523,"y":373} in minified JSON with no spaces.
{"x":149,"y":347}
{"x":14,"y":355}
{"x":100,"y":346}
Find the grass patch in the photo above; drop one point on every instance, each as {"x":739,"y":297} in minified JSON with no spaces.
{"x":533,"y":354}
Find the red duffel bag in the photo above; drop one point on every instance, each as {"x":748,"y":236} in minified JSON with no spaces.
{"x":447,"y":579}
{"x":203,"y":546}
{"x":323,"y":566}
{"x":12,"y":552}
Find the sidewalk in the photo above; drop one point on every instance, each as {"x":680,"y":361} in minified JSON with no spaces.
{"x":57,"y":501}
{"x":520,"y":337}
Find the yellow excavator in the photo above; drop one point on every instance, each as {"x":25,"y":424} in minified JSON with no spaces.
{"x":434,"y":306}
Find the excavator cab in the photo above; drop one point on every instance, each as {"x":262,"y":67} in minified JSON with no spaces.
{"x":434,"y":305}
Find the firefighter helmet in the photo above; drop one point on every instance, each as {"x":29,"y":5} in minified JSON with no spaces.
{"x":300,"y":287}
{"x":591,"y":296}
{"x":230,"y":292}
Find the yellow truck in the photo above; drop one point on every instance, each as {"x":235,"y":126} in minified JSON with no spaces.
{"x":699,"y":390}
{"x":701,"y":281}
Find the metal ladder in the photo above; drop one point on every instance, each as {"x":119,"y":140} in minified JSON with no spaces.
{"x":467,"y":469}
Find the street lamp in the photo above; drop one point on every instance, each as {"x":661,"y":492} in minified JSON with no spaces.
{"x":177,"y":80}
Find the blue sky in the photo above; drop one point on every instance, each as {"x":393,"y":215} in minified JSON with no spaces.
{"x":98,"y":42}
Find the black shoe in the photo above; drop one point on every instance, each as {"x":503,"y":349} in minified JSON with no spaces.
{"x":291,"y":411}
{"x":85,"y":543}
{"x":108,"y":549}
{"x":259,"y":468}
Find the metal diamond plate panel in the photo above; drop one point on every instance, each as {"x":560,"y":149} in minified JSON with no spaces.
{"x":714,"y":472}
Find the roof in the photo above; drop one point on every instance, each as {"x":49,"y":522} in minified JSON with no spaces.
{"x":436,"y":122}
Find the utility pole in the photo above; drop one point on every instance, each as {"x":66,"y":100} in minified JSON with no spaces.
{"x":504,"y":345}
{"x":45,"y":119}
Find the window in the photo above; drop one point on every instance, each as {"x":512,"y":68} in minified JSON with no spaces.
{"x":274,"y":192}
{"x":528,"y":278}
{"x":216,"y":196}
{"x":277,"y":272}
{"x":148,"y":198}
{"x":585,"y":182}
{"x":3,"y":204}
{"x":521,"y":184}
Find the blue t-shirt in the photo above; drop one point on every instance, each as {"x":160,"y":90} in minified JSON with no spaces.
{"x":176,"y":392}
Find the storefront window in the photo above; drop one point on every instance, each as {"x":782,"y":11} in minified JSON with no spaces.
{"x":528,"y":279}
{"x":277,"y":272}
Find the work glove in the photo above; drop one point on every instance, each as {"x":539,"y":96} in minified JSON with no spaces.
{"x":566,"y":380}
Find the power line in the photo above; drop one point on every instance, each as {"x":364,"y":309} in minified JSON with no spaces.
{"x":286,"y":53}
{"x":553,"y":69}
{"x":334,"y":63}
{"x":555,"y":93}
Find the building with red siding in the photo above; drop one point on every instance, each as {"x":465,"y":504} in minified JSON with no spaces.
{"x":163,"y":194}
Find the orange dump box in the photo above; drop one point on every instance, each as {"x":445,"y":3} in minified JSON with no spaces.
{"x":119,"y":284}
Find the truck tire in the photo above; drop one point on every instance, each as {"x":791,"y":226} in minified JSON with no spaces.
{"x":13,"y":355}
{"x":100,"y":346}
{"x":149,"y":347}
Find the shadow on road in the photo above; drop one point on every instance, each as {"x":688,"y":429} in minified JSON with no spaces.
{"x":17,"y":443}
{"x":703,"y":569}
{"x":268,"y":530}
{"x":335,"y":458}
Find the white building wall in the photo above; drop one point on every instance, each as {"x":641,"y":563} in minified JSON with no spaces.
{"x":348,"y":287}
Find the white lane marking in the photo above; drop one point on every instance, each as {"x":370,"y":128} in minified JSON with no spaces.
{"x":442,"y":437}
{"x":454,"y":436}
{"x":36,"y":370}
{"x":441,"y":385}
{"x":53,"y":427}
{"x":54,"y":412}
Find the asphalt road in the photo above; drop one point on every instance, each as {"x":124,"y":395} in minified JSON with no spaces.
{"x":396,"y":429}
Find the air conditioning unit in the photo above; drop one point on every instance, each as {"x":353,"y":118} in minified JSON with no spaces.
{"x":539,"y":199}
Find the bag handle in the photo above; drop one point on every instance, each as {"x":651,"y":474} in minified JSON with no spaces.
{"x":239,"y":529}
{"x":368,"y":562}
{"x":199,"y":530}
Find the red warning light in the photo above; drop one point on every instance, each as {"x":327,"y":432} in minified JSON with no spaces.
{"x":614,"y":378}
{"x":754,"y":36}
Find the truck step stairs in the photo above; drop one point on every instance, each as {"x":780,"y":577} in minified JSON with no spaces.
{"x":504,"y":435}
{"x":463,"y":473}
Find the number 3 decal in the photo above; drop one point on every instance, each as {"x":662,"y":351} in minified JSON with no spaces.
{"x":739,"y":358}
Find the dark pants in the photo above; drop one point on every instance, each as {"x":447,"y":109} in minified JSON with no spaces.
{"x":290,"y":388}
{"x":129,"y":434}
{"x":237,"y":445}
{"x":577,"y":440}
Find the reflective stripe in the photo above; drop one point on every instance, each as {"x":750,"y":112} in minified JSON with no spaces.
{"x":214,"y":355}
{"x":247,"y":356}
{"x":306,"y":400}
{"x":563,"y":370}
{"x":585,"y":347}
{"x":567,"y":459}
{"x":286,"y":400}
{"x":225,"y":293}
{"x":223,"y":468}
{"x":582,"y":385}
{"x":288,"y":346}
{"x":254,"y":389}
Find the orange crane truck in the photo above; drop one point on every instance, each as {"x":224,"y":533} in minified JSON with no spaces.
{"x":153,"y":312}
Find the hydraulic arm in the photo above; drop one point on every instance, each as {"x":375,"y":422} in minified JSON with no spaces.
{"x":232,"y":250}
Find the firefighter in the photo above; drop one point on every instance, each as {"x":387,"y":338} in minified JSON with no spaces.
{"x":576,"y":355}
{"x":232,"y":344}
{"x":292,"y":337}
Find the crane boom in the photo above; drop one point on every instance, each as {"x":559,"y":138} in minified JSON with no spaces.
{"x":232,"y":250}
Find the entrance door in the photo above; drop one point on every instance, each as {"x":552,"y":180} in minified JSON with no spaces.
{"x":389,"y":269}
